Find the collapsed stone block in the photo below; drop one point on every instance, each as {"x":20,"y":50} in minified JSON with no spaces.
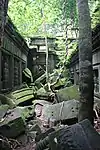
{"x":68,"y":93}
{"x":12,"y":125}
{"x":61,"y":111}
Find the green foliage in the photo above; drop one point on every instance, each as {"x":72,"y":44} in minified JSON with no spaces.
{"x":28,"y":15}
{"x":94,"y":12}
{"x":69,"y":11}
{"x":71,"y":55}
{"x":96,"y":16}
{"x":60,"y":49}
{"x":23,"y":14}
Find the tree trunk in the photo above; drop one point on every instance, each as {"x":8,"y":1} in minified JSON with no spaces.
{"x":47,"y":75}
{"x":47,"y":50}
{"x":85,"y":62}
{"x":3,"y":14}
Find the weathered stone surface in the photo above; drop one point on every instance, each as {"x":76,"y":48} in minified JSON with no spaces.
{"x":40,"y":79}
{"x":68,"y":93}
{"x":35,"y":127}
{"x":28,"y":74}
{"x":41,"y":102}
{"x":60,"y":83}
{"x":34,"y":87}
{"x":96,"y":100}
{"x":32,"y":134}
{"x":38,"y":105}
{"x":42,"y":92}
{"x":3,"y":110}
{"x":97,"y":106}
{"x":61,"y":111}
{"x":26,"y":111}
{"x":13,"y":124}
{"x":80,"y":136}
{"x":33,"y":130}
{"x":22,"y":95}
{"x":7,"y":100}
{"x":96,"y":94}
{"x":44,"y":134}
{"x":39,"y":85}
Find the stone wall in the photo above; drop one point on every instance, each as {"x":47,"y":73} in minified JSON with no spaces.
{"x":13,"y":58}
{"x":37,"y":62}
{"x":74,"y":64}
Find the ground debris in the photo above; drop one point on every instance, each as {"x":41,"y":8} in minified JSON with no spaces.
{"x":48,"y":116}
{"x":8,"y":143}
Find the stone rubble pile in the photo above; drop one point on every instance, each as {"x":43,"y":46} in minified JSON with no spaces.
{"x":30,"y":115}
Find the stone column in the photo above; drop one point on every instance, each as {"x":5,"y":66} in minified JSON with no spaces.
{"x":11,"y":71}
{"x":0,"y":69}
{"x":99,"y":76}
{"x":20,"y":71}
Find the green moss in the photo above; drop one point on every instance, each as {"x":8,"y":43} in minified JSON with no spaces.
{"x":61,"y":82}
{"x":68,"y":93}
{"x":26,"y":111}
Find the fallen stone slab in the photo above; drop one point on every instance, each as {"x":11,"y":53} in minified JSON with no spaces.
{"x":26,"y":112}
{"x":61,"y":111}
{"x":38,"y":104}
{"x":12,"y":125}
{"x":23,"y":95}
{"x":68,"y":93}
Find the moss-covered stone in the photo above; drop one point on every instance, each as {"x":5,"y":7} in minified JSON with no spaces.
{"x":61,"y":82}
{"x":26,"y":111}
{"x":12,"y":125}
{"x":68,"y":93}
{"x":22,"y":95}
{"x":42,"y":93}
